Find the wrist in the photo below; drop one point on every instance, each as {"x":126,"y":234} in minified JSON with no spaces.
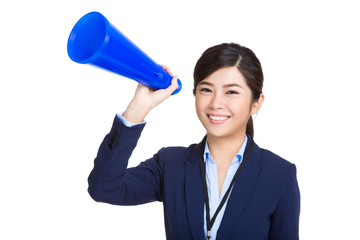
{"x":136,"y":111}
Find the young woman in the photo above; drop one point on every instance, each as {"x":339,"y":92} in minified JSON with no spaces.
{"x":225,"y":187}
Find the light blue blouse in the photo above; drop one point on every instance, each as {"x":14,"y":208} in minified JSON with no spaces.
{"x":213,"y":187}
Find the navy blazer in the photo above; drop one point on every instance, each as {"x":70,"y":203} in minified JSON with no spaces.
{"x":264,"y":202}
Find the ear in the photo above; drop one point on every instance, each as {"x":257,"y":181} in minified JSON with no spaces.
{"x":257,"y":104}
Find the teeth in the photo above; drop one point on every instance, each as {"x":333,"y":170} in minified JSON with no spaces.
{"x":218,"y":118}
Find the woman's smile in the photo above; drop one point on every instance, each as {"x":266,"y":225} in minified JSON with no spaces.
{"x":218,"y":119}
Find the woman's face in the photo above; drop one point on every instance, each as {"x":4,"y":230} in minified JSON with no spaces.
{"x":224,"y":103}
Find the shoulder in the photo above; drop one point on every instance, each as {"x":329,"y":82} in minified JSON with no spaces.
{"x":274,"y":165}
{"x":277,"y":170}
{"x":265,"y":158}
{"x":270,"y":158}
{"x":177,"y":152}
{"x":173,"y":160}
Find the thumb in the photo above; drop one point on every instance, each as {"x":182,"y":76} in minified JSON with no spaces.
{"x":173,"y":86}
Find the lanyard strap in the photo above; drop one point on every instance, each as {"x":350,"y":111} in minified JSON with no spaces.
{"x":210,"y":222}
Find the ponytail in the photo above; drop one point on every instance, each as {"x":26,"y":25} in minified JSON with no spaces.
{"x":250,"y":127}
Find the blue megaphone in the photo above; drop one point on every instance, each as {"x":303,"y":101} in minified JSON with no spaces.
{"x":96,"y":41}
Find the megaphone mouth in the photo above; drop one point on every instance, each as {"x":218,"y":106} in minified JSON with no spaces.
{"x":88,"y":37}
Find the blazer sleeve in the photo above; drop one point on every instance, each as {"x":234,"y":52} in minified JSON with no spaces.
{"x":112,"y":182}
{"x":285,"y":220}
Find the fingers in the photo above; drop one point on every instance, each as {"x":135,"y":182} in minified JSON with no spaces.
{"x":167,"y":69}
{"x":174,"y":82}
{"x":173,"y":86}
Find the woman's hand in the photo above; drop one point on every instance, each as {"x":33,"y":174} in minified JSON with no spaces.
{"x":146,"y":98}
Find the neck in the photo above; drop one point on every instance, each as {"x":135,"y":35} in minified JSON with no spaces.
{"x":223,"y":150}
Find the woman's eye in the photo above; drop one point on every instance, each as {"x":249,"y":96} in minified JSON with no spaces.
{"x":232,"y":92}
{"x":205,"y":90}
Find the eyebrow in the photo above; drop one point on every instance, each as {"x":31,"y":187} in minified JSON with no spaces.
{"x":225,"y":86}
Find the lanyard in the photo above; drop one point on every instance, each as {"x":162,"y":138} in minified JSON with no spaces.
{"x":210,"y":222}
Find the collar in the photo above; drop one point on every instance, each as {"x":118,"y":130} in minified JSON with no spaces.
{"x":238,"y":157}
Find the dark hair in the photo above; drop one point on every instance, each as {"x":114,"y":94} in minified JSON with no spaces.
{"x":229,"y":55}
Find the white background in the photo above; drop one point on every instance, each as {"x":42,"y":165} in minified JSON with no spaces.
{"x":55,"y":113}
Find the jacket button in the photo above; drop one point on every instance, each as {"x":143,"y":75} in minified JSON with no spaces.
{"x":111,"y":144}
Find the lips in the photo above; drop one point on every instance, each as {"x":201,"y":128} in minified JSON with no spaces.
{"x":218,"y":117}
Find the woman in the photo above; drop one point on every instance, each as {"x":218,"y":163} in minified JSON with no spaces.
{"x":225,"y":187}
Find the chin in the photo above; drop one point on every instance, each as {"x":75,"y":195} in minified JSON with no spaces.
{"x":217,"y":134}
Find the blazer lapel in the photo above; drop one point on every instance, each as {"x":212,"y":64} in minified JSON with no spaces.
{"x":194,"y":195}
{"x":241,"y":194}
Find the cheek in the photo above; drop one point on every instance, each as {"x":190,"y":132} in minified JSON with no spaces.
{"x":242,"y":108}
{"x":196,"y":104}
{"x":197,"y":107}
{"x":199,"y":103}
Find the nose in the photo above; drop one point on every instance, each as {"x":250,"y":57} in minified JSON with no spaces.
{"x":217,"y":102}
